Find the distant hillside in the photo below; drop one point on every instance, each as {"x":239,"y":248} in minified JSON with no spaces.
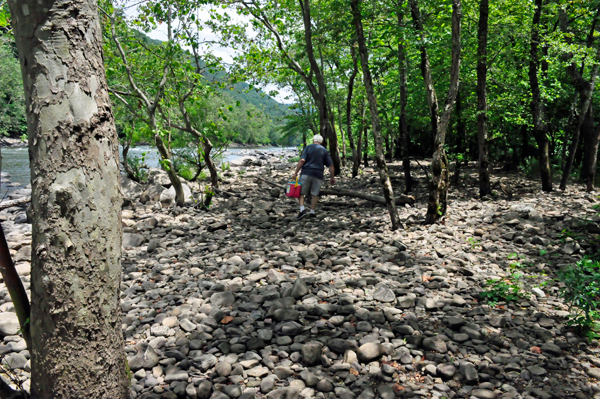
{"x":240,"y":91}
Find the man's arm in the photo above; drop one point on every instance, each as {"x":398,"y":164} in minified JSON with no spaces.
{"x":331,"y":175}
{"x":298,"y":167}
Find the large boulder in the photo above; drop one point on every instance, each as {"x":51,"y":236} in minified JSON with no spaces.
{"x":167,"y":197}
{"x":9,"y":324}
{"x":152,"y":193}
{"x":158,"y":176}
{"x":131,"y":190}
{"x":132,"y":240}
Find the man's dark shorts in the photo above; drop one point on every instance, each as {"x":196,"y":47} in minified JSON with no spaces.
{"x":310,"y":184}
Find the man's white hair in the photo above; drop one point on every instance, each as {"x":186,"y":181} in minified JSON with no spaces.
{"x":318,"y":139}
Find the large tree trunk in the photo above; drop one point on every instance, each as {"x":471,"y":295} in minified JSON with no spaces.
{"x":384,"y":177}
{"x":402,"y":124}
{"x":482,"y":117}
{"x":77,"y":343}
{"x":437,"y":202}
{"x":540,"y":126}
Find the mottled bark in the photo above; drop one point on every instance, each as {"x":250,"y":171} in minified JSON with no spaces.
{"x":538,"y":108}
{"x":402,"y":124}
{"x":482,"y":117}
{"x":437,"y":202}
{"x":384,"y":177}
{"x":77,"y":344}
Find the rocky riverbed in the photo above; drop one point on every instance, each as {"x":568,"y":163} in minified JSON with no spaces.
{"x":244,"y":301}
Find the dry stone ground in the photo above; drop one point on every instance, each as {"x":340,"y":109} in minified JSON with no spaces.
{"x":244,"y":301}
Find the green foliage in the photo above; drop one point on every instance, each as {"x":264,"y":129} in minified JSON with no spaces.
{"x":138,"y":166}
{"x":566,"y":233}
{"x":581,"y":291}
{"x":473,"y":242}
{"x":508,"y":290}
{"x":12,"y":102}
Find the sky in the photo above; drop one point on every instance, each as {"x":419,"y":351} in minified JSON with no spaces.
{"x":285,"y":96}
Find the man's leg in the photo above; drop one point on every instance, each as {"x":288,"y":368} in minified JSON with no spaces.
{"x":303,"y":192}
{"x":313,"y":202}
{"x":314,"y":192}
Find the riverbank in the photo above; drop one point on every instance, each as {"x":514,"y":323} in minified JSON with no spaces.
{"x":12,"y":142}
{"x":244,"y":301}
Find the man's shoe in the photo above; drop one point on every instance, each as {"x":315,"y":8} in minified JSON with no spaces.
{"x":301,"y":214}
{"x":312,"y":215}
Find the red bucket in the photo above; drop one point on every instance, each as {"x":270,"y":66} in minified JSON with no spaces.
{"x":293,"y":189}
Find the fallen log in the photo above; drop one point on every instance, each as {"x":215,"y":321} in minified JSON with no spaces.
{"x":400,"y":200}
{"x":17,"y":202}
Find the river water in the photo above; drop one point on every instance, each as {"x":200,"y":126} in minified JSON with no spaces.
{"x":15,"y":161}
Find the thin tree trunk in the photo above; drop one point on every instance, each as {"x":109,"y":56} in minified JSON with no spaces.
{"x":355,"y":151}
{"x":128,"y":171}
{"x":327,"y":125}
{"x":437,"y":202}
{"x":343,"y":135}
{"x":403,"y":126}
{"x":357,"y":159}
{"x":589,"y":134}
{"x":586,"y":97}
{"x":461,"y":139}
{"x":366,"y":147}
{"x":173,"y":178}
{"x":76,"y":339}
{"x":214,"y":176}
{"x":482,"y":117}
{"x":384,"y":177}
{"x":592,"y":161}
{"x":540,"y":126}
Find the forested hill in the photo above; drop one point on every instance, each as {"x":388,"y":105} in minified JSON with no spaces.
{"x":240,"y":91}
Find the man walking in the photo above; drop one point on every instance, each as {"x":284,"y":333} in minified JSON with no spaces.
{"x":313,"y":160}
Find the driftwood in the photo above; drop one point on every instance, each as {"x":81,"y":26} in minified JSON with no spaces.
{"x":17,"y":202}
{"x":400,"y":200}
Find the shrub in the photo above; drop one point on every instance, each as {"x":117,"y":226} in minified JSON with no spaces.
{"x":581,"y":291}
{"x":507,"y":290}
